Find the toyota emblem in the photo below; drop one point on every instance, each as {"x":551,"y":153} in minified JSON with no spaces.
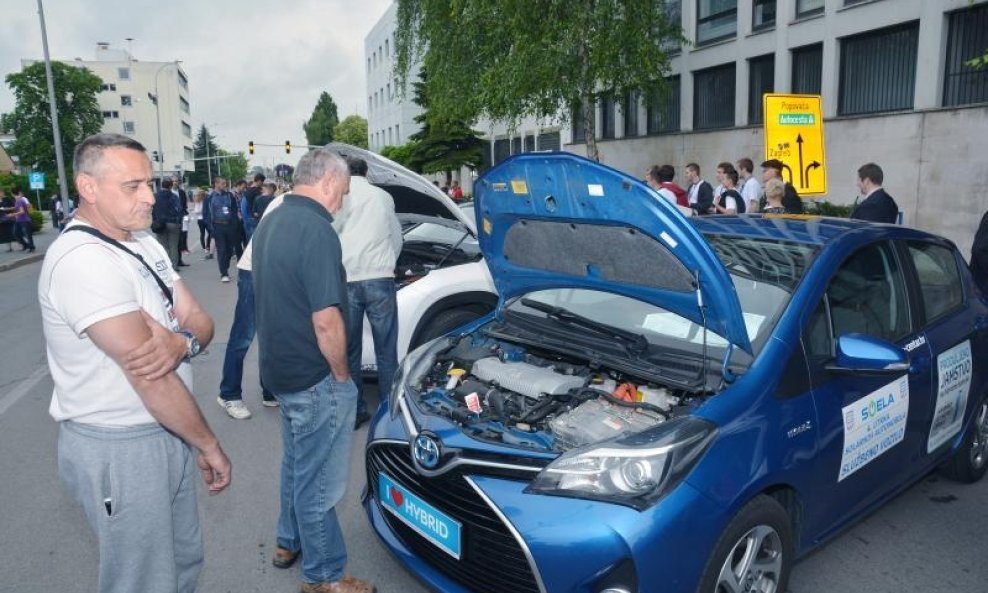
{"x":426,"y":451}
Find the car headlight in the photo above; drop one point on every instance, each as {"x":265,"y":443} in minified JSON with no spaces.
{"x":635,"y":470}
{"x":411,"y":370}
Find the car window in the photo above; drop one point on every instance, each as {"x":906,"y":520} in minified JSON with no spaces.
{"x":939,"y":279}
{"x":867,"y":295}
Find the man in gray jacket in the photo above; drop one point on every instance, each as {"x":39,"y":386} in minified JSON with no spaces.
{"x":371,"y":238}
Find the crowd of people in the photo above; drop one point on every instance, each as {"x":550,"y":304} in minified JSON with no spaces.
{"x":739,"y":192}
{"x":122,"y":327}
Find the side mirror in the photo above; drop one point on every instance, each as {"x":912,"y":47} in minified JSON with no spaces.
{"x":867,"y":355}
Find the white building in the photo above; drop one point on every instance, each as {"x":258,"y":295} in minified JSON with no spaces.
{"x":894,"y":86}
{"x":390,"y":115}
{"x":127,"y":101}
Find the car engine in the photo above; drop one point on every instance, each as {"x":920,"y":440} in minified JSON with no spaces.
{"x":500,"y":392}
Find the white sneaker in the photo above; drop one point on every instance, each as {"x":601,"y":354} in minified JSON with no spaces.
{"x":270,"y":403}
{"x":235,"y":408}
{"x":224,"y":278}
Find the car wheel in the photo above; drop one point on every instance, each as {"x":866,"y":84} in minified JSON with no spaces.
{"x":754,"y":553}
{"x":445,"y":322}
{"x":971,"y":459}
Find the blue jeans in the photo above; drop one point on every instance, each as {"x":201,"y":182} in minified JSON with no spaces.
{"x":23,"y":233}
{"x":316,"y":430}
{"x":376,"y":299}
{"x":241,"y":335}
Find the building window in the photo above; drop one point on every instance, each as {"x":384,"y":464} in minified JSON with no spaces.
{"x":111,"y":114}
{"x":878,"y":70}
{"x":387,"y":49}
{"x":630,"y":110}
{"x":183,"y":104}
{"x":713,"y":97}
{"x":390,"y":136}
{"x":549,"y":141}
{"x":502,"y":149}
{"x":189,"y":155}
{"x":674,"y":16}
{"x":128,"y":127}
{"x":123,"y":73}
{"x":662,"y":107}
{"x":186,"y":130}
{"x":125,"y":101}
{"x":389,"y":91}
{"x":183,"y":81}
{"x":716,"y":20}
{"x":109,"y":87}
{"x":763,"y":14}
{"x":607,"y":115}
{"x":806,"y":8}
{"x":967,"y":38}
{"x":761,"y":80}
{"x":397,"y":135}
{"x":807,"y":69}
{"x":368,"y":64}
{"x":579,"y":124}
{"x":516,"y":145}
{"x":530,"y":143}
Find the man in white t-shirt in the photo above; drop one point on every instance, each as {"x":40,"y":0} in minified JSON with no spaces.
{"x":120,"y":326}
{"x":749,"y":187}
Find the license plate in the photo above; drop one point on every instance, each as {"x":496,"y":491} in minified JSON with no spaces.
{"x":428,"y":521}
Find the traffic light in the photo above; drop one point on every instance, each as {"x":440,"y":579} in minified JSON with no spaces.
{"x":250,"y":147}
{"x":288,"y":147}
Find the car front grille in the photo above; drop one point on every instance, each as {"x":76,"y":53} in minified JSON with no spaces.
{"x":491,"y":559}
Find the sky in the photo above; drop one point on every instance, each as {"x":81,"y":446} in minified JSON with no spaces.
{"x":256,"y":67}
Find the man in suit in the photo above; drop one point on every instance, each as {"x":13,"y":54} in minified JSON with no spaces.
{"x":772,"y":169}
{"x":167,"y":212}
{"x":701,"y":194}
{"x":877,"y":205}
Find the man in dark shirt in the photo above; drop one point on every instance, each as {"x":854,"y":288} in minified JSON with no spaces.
{"x":701,"y":194}
{"x":300,"y":299}
{"x":168,"y":210}
{"x":877,"y":206}
{"x":247,"y":204}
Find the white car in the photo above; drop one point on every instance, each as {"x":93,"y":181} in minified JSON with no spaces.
{"x":443,"y":281}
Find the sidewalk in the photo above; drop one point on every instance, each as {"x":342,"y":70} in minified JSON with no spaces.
{"x":16,"y":258}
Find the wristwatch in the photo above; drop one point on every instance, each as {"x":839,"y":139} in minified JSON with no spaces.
{"x":191,"y":343}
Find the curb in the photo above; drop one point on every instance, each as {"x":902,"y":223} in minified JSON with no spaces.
{"x":28,"y":259}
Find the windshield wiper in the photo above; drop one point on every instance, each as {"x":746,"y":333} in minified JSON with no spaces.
{"x":634,"y":343}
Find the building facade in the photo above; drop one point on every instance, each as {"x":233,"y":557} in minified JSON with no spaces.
{"x":892,"y":74}
{"x":390,"y":113}
{"x":148,"y":101}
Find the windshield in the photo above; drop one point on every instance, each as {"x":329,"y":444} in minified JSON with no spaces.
{"x":765,"y":273}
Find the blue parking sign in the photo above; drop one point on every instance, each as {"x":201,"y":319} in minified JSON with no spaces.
{"x":37,"y":180}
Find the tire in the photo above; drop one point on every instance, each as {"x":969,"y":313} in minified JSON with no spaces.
{"x":970,"y":461}
{"x":754,"y":553}
{"x":444,"y":322}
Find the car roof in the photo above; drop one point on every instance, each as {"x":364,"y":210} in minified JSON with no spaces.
{"x":799,"y":228}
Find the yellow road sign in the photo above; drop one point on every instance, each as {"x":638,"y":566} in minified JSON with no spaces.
{"x":794,"y":135}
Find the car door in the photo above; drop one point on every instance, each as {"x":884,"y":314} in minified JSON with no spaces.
{"x":868,"y":424}
{"x":949,"y":326}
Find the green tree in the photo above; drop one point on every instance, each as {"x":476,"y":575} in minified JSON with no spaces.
{"x":78,"y":113}
{"x":400,"y":154}
{"x":319,"y":127}
{"x":442,"y":144}
{"x":233,"y":166}
{"x":511,"y":59}
{"x":352,"y":130}
{"x":200,"y":176}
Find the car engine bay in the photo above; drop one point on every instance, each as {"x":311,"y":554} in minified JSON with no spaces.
{"x":508,"y":394}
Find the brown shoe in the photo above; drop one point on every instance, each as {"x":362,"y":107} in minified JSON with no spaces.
{"x":344,"y":585}
{"x":282,"y":558}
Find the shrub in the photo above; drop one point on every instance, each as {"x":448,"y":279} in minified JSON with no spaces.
{"x":37,"y":221}
{"x":825,"y":208}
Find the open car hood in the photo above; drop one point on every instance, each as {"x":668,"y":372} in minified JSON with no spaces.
{"x":412,"y":193}
{"x":557,"y":220}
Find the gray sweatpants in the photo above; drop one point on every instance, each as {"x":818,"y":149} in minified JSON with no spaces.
{"x":137,"y":488}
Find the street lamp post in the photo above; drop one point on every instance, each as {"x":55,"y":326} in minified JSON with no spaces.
{"x":157,"y":115}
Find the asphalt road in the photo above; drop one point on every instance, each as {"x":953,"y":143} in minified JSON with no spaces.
{"x":929,"y":539}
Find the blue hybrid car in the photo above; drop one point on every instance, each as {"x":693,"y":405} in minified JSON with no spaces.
{"x":672,"y":405}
